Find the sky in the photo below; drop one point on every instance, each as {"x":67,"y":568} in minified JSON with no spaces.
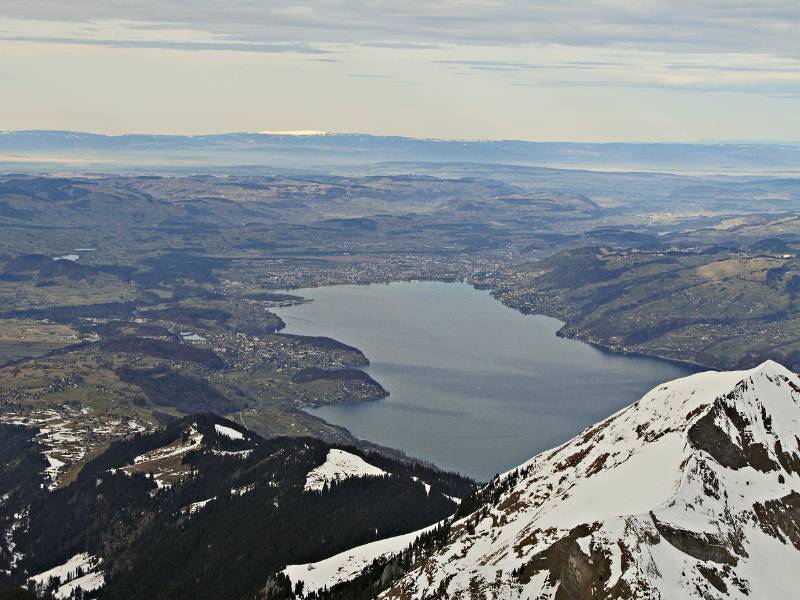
{"x":580,"y":70}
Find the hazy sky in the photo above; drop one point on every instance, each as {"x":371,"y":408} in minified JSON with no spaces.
{"x":594,"y":70}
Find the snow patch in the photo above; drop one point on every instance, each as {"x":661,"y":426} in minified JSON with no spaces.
{"x":195,"y":507}
{"x":79,"y":572}
{"x":346,"y":565}
{"x":228,"y":432}
{"x":192,"y":442}
{"x":427,"y":487}
{"x":236,"y":453}
{"x":52,"y":470}
{"x":338,"y":466}
{"x":245,"y":489}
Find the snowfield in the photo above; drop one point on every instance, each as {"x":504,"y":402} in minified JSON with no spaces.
{"x":87,"y":583}
{"x":693,"y":492}
{"x":346,"y":565}
{"x":338,"y":466}
{"x":228,"y":432}
{"x":82,"y":571}
{"x":688,"y":493}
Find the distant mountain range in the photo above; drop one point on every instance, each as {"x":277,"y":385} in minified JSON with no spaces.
{"x":335,"y":151}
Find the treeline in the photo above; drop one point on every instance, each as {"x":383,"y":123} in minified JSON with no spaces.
{"x":21,"y":467}
{"x":166,"y":387}
{"x":310,"y":374}
{"x":27,"y":266}
{"x":381,"y":573}
{"x":321,"y":342}
{"x":385,"y":571}
{"x":153,"y":548}
{"x":44,"y":266}
{"x":275,"y":297}
{"x":189,"y":315}
{"x":175,"y":266}
{"x":163,"y":349}
{"x":131,"y":328}
{"x":73,"y":314}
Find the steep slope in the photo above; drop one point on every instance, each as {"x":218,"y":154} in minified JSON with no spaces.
{"x":691,"y":492}
{"x":204,"y":508}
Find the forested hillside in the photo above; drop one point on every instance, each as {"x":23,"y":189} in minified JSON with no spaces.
{"x":204,"y":508}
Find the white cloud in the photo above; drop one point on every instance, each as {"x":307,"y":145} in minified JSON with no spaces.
{"x":767,"y":26}
{"x":536,"y":69}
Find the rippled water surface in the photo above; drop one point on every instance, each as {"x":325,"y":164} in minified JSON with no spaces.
{"x":475,"y":386}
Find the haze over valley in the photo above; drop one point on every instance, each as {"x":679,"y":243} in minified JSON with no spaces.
{"x":362,"y":301}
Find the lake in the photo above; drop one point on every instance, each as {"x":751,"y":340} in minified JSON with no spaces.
{"x":475,"y":386}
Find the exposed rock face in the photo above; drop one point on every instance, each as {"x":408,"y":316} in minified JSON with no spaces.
{"x":692,"y":492}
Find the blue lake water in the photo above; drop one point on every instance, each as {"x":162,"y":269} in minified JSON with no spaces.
{"x":475,"y":387}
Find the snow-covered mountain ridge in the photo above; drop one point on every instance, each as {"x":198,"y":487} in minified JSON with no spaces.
{"x":691,"y":492}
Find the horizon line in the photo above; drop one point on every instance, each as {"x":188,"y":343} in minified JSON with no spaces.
{"x":311,"y":133}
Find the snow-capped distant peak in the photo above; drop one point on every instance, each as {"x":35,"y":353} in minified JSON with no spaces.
{"x":338,"y":466}
{"x":691,"y":492}
{"x":293,"y":132}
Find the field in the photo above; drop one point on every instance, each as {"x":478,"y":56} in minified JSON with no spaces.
{"x":126,"y":302}
{"x":721,"y":309}
{"x":19,"y":338}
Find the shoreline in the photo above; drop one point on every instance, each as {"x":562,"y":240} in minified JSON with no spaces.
{"x":608,"y":348}
{"x":614,"y":350}
{"x":552,"y":326}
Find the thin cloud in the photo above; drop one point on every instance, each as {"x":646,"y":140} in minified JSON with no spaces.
{"x":171,"y":45}
{"x":777,"y":79}
{"x":771,"y":27}
{"x":487,"y":65}
{"x":736,"y":68}
{"x":402,"y":45}
{"x":780,"y":90}
{"x":370,"y":76}
{"x":505,"y":66}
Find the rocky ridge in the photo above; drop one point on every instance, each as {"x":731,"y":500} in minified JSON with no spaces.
{"x":691,"y":492}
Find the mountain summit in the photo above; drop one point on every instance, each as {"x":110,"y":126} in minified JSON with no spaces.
{"x":691,"y":492}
